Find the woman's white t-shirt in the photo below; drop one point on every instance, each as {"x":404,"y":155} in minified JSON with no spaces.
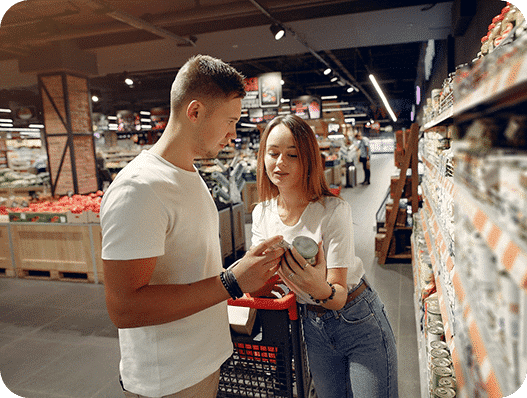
{"x":328,"y":220}
{"x":155,"y":209}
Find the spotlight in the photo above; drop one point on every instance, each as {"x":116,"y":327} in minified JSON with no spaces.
{"x":334,"y":79}
{"x":327,"y":71}
{"x":129,"y":81}
{"x":94,"y":98}
{"x":277,"y":31}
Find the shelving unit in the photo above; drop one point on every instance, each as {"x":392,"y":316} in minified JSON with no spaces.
{"x":472,"y":228}
{"x":409,"y":161}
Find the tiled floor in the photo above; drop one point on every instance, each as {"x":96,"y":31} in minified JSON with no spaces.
{"x":57,"y":341}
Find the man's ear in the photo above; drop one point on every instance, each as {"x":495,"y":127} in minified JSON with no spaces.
{"x":194,"y":108}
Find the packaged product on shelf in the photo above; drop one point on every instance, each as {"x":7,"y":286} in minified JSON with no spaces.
{"x":438,"y":344}
{"x":444,"y":392}
{"x":436,"y":333}
{"x":448,"y":382}
{"x":444,"y":362}
{"x":438,"y":373}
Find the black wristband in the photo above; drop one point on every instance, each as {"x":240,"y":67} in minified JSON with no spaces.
{"x":324,"y":301}
{"x":231,"y":284}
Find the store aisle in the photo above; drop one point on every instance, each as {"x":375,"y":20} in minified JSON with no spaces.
{"x":393,"y":282}
{"x":57,"y":341}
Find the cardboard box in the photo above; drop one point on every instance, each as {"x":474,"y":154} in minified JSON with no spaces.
{"x":77,"y":218}
{"x":93,"y":218}
{"x":241,"y":319}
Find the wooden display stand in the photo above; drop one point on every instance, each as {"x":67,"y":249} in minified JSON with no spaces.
{"x":56,"y":252}
{"x":232,"y":234}
{"x":6,"y":263}
{"x":409,"y":160}
{"x":72,"y":252}
{"x":250,"y":196}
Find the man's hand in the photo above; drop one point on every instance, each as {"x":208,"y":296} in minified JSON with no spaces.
{"x":259,"y":264}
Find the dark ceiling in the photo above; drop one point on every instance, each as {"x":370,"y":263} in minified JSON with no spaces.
{"x":149,"y":41}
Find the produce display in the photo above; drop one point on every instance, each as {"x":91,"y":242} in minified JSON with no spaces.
{"x":67,"y":209}
{"x":13,"y":179}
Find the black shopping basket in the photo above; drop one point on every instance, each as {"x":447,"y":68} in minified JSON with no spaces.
{"x":272,"y":362}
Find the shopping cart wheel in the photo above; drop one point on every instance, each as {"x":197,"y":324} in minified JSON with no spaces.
{"x":311,"y":393}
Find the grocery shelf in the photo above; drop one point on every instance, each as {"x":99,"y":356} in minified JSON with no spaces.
{"x":422,"y":348}
{"x":510,"y":250}
{"x":443,"y":118}
{"x":479,"y":339}
{"x":503,"y":88}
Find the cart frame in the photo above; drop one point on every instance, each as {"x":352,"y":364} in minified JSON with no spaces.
{"x":272,"y":362}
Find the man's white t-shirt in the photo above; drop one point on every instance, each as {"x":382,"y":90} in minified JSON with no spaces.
{"x":328,"y":220}
{"x":155,"y":209}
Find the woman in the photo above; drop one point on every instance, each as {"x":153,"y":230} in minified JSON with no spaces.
{"x":350,"y":344}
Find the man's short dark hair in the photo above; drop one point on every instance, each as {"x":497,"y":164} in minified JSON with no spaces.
{"x":205,"y":78}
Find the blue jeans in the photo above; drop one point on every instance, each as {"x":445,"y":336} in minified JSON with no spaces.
{"x":352,"y":351}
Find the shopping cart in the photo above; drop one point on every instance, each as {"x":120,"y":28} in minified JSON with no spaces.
{"x":272,"y":362}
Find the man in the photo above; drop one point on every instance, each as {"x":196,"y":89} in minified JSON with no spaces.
{"x":161,"y":250}
{"x":364,"y":156}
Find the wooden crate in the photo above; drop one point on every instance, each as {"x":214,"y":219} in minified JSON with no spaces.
{"x":96,"y":231}
{"x":56,"y":252}
{"x":250,"y":196}
{"x":239,"y":226}
{"x":226,"y":230}
{"x":6,"y":261}
{"x":225,"y":233}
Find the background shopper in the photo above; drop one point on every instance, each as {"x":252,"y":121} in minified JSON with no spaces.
{"x":161,"y":249}
{"x":350,"y":343}
{"x":363,"y":145}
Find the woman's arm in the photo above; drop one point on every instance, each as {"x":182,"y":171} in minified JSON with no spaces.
{"x":314,"y":280}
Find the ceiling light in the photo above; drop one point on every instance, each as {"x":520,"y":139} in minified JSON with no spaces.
{"x":334,"y":79}
{"x":328,"y":97}
{"x":5,"y":110}
{"x":129,"y":81}
{"x":94,"y":98}
{"x":383,"y":97}
{"x":249,"y":125}
{"x":327,"y":71}
{"x":277,"y":31}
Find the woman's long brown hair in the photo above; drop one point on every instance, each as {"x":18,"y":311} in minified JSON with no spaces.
{"x":314,"y":182}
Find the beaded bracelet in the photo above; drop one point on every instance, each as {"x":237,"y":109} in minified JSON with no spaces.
{"x":231,"y":284}
{"x":324,"y":301}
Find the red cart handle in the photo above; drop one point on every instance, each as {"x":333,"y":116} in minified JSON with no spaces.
{"x":288,"y":302}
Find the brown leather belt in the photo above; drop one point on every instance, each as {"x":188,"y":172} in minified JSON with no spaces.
{"x":351,"y":296}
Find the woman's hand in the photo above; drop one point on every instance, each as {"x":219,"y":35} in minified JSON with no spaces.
{"x":309,"y":278}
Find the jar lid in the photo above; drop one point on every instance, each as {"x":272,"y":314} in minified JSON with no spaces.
{"x":439,"y":353}
{"x":444,"y":392}
{"x":442,"y":371}
{"x":306,"y":246}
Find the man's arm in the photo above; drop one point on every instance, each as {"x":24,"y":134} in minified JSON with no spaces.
{"x":132,"y":302}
